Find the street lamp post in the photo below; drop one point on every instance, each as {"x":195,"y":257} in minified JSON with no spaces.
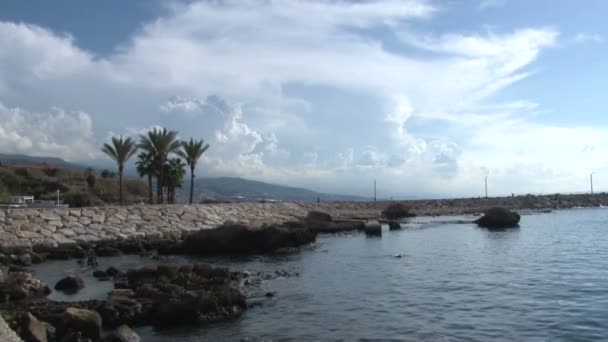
{"x":374,"y":190}
{"x":486,"y":185}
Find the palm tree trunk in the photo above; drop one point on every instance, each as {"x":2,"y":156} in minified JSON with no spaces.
{"x":120,"y":196}
{"x":159,"y":183}
{"x":150,"y":193}
{"x":191,"y":184}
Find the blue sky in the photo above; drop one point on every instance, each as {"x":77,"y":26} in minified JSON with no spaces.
{"x":426,"y":96}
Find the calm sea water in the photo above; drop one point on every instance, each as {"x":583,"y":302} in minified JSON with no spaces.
{"x":547,"y":281}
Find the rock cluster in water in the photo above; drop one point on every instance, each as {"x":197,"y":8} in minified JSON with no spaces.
{"x":163,"y":295}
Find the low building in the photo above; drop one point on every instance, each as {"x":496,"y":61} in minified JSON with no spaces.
{"x":31,"y":202}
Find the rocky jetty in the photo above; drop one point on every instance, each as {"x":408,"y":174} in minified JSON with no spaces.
{"x":499,"y":218}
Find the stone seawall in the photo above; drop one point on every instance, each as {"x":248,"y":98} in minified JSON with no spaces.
{"x":23,"y":229}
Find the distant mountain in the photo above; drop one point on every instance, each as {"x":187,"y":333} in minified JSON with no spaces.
{"x":23,"y":160}
{"x":221,"y":188}
{"x":239,"y":189}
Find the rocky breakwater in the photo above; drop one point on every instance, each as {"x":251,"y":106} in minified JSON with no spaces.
{"x":36,"y":232}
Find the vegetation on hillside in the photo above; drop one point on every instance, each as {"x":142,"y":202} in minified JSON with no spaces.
{"x":77,"y":188}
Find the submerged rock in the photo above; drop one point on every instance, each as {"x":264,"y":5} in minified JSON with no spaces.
{"x":499,"y":218}
{"x":70,"y":284}
{"x":101,"y":275}
{"x":238,"y":238}
{"x":113,"y":272}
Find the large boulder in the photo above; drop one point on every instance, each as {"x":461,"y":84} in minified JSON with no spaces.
{"x":238,"y":238}
{"x":22,"y":285}
{"x":122,"y":334}
{"x":70,"y":284}
{"x":373,"y":228}
{"x":30,"y":328}
{"x":397,"y":211}
{"x":83,"y":321}
{"x":498,"y":218}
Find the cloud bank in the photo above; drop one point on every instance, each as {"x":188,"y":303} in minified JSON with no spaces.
{"x":303,"y":92}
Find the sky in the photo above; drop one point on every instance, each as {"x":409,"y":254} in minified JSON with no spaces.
{"x":428,"y":97}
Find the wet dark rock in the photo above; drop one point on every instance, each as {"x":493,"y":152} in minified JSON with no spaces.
{"x":397,"y":211}
{"x":75,"y":337}
{"x":113,"y":272}
{"x":122,"y":334}
{"x":107,"y":250}
{"x":270,"y":294}
{"x":237,"y":238}
{"x":101,"y":275}
{"x":173,"y":295}
{"x":499,"y":218}
{"x":22,"y":285}
{"x":70,"y":284}
{"x":392,"y":225}
{"x":373,"y":228}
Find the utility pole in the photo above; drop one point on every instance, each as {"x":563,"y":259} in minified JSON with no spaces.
{"x":374,"y":190}
{"x":591,"y":181}
{"x":486,"y":185}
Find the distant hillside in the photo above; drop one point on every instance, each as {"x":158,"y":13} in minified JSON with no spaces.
{"x":239,"y":189}
{"x":23,"y":160}
{"x":77,"y":188}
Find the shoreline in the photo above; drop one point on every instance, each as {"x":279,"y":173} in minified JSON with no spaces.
{"x":229,"y":229}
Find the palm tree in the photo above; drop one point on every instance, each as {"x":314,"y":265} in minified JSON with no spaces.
{"x":120,"y":150}
{"x":146,"y":168}
{"x":175,"y":170}
{"x":160,"y":143}
{"x":191,"y":151}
